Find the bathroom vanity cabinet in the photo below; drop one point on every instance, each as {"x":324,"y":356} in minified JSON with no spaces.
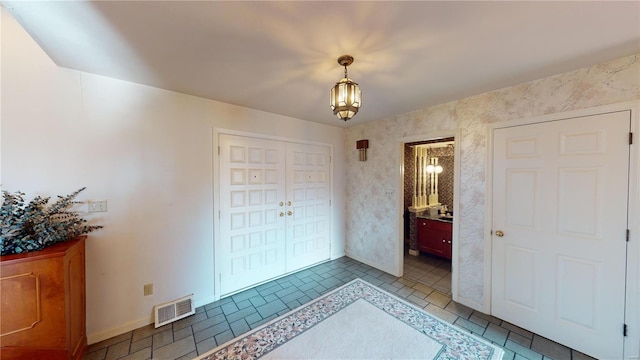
{"x":435,"y":237}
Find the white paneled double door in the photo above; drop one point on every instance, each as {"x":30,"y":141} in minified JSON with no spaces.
{"x":274,"y":209}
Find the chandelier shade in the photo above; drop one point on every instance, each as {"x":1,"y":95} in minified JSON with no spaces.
{"x":346,"y":97}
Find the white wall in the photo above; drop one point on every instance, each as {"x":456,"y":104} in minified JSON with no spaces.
{"x":149,"y":153}
{"x":373,"y":216}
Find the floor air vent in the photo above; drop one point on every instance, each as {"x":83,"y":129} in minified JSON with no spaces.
{"x":174,"y":310}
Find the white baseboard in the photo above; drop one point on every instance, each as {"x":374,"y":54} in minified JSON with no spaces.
{"x":132,"y":325}
{"x":129,"y":326}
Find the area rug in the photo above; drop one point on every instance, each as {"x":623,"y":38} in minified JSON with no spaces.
{"x":356,"y":321}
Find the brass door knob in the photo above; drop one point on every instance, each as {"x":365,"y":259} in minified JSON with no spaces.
{"x":281,"y":214}
{"x":499,"y":233}
{"x":289,"y":212}
{"x":281,"y":203}
{"x":288,"y":203}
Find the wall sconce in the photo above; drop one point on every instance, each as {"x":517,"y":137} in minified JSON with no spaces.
{"x":433,"y":166}
{"x":433,"y":169}
{"x":362,"y":146}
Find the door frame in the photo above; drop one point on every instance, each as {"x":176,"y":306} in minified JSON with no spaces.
{"x":456,"y":197}
{"x":632,"y":296}
{"x":216,"y":195}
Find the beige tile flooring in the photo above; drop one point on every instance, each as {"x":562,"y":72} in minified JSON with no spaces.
{"x":220,"y":321}
{"x":429,"y":270}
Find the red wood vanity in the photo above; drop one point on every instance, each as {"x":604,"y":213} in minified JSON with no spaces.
{"x":435,"y":237}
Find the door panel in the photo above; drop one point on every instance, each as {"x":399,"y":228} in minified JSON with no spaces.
{"x":577,"y":297}
{"x":252,"y":234}
{"x":580,"y":192}
{"x":520,"y":283}
{"x":522,"y":197}
{"x":308,"y":187}
{"x":560,"y":197}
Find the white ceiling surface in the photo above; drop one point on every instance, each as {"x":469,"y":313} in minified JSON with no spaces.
{"x":280,"y":57}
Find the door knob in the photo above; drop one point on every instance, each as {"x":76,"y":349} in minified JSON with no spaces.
{"x":281,"y":203}
{"x":288,"y":203}
{"x":499,"y":233}
{"x":289,"y":212}
{"x":281,"y":214}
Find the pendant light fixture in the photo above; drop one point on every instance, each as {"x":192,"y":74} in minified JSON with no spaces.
{"x":346,"y":97}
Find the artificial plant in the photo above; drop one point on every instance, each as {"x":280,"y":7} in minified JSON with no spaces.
{"x":32,"y":226}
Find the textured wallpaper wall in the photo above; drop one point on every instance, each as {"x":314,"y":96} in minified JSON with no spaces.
{"x":372,"y":215}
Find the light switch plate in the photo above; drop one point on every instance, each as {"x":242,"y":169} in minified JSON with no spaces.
{"x":98,"y":206}
{"x":147,"y":289}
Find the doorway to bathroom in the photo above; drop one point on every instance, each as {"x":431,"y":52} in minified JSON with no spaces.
{"x":428,"y":204}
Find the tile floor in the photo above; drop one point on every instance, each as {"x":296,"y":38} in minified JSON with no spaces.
{"x":227,"y":318}
{"x":429,"y":270}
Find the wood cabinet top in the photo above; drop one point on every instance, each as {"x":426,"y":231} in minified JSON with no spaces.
{"x":58,"y":249}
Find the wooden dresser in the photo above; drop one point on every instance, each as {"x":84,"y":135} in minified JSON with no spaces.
{"x":435,"y":237}
{"x":42,"y":315}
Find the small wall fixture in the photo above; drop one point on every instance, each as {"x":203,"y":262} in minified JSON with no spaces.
{"x":362,"y":146}
{"x":433,"y":166}
{"x":433,"y":169}
{"x":346,"y":97}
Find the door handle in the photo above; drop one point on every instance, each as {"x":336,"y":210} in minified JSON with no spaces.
{"x":499,"y":233}
{"x":288,"y":203}
{"x":281,"y":203}
{"x":289,"y":212}
{"x":281,"y":214}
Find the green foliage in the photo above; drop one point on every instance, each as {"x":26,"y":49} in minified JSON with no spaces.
{"x":34,"y":226}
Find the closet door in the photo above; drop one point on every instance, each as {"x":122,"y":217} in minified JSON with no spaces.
{"x":274,"y":209}
{"x":560,"y":194}
{"x":252,"y":212}
{"x":308,"y":207}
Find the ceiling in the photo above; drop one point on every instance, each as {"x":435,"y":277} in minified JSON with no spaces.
{"x":281,"y":57}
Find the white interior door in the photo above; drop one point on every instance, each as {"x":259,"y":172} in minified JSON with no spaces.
{"x":308,"y":195}
{"x":274,"y":209}
{"x":560,"y":192}
{"x":252,"y":221}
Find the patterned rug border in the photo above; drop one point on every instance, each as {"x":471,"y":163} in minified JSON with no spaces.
{"x":457,"y":343}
